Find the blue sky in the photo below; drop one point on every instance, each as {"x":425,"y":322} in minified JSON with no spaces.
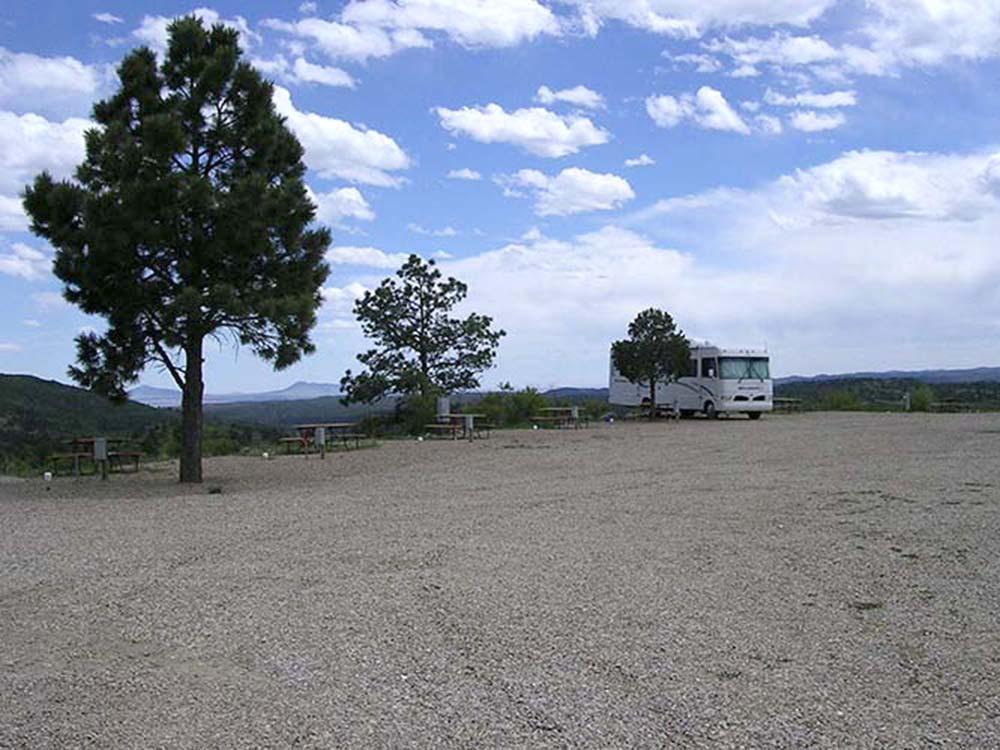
{"x":818,"y":176}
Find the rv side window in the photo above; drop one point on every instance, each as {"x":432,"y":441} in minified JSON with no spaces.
{"x":692,"y":370}
{"x":709,"y":368}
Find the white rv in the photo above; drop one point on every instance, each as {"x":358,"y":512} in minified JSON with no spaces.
{"x":718,"y":381}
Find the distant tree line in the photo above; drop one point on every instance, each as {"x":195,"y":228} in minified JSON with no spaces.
{"x":861,"y":394}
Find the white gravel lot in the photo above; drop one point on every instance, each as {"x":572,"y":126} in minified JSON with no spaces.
{"x":823,"y":580}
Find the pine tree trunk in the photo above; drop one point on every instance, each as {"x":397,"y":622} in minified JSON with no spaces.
{"x":652,"y":399}
{"x":191,"y":413}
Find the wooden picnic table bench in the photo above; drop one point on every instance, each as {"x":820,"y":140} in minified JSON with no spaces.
{"x":83,"y":449}
{"x":464,"y":424}
{"x":441,"y":429}
{"x":346,"y":437}
{"x":118,"y":458}
{"x":331,"y":431}
{"x":297,"y":440}
{"x":75,"y":458}
{"x":557,"y":420}
{"x":786,"y":404}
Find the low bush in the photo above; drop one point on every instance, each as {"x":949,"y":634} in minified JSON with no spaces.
{"x":921,"y":398}
{"x":841,"y":401}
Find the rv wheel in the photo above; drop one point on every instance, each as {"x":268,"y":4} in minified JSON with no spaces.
{"x":710,"y":411}
{"x":753,"y":414}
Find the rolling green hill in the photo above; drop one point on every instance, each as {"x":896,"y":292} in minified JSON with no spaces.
{"x":36,"y":415}
{"x":285,"y":413}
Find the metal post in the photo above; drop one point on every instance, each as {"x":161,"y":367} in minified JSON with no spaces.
{"x":469,"y":420}
{"x":319,"y":436}
{"x":443,"y":408}
{"x":101,"y":455}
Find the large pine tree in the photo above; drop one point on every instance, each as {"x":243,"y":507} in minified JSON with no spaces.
{"x":188,"y":218}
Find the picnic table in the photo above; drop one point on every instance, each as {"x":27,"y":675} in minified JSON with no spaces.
{"x":96,"y":451}
{"x":559,"y":417}
{"x":467,"y":425}
{"x":786,"y":404}
{"x":316,"y":434}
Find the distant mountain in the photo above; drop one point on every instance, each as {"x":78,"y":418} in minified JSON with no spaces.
{"x":576,"y":394}
{"x":304,"y":391}
{"x":168,"y":397}
{"x":931,"y":377}
{"x":159,"y":397}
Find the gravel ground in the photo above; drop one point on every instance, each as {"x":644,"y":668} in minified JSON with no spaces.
{"x":821,"y":580}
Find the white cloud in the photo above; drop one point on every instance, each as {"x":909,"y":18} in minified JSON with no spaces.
{"x":572,"y":191}
{"x":301,"y":70}
{"x":899,"y":34}
{"x":340,"y":300}
{"x":707,"y":108}
{"x":891,"y":185}
{"x":25,"y":262}
{"x":930,"y":32}
{"x":335,"y":148}
{"x":813,"y":100}
{"x":152,"y":30}
{"x":464,"y":174}
{"x":899,"y":246}
{"x":768,"y":124}
{"x":339,"y":324}
{"x":307,"y":72}
{"x":371,"y":257}
{"x":8,"y":347}
{"x":668,"y":111}
{"x":579,"y":96}
{"x":814,"y":122}
{"x":472,"y":23}
{"x":40,"y":84}
{"x":308,"y":7}
{"x":783,"y":52}
{"x":744,"y":71}
{"x":714,"y":112}
{"x":874,"y":188}
{"x":107,"y":18}
{"x":342,"y":41}
{"x":48,"y":300}
{"x":12,"y":216}
{"x":642,"y":160}
{"x":990,"y":176}
{"x":536,"y":130}
{"x":702,"y":63}
{"x":342,"y":203}
{"x":30,"y":144}
{"x":690,"y":18}
{"x":446,"y":232}
{"x":779,"y":49}
{"x":32,"y":323}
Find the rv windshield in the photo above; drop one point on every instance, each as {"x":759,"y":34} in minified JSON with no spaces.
{"x":738,"y":368}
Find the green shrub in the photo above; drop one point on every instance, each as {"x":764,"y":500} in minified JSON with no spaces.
{"x":415,"y":413}
{"x":523,"y":405}
{"x":921,"y":398}
{"x":841,"y":401}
